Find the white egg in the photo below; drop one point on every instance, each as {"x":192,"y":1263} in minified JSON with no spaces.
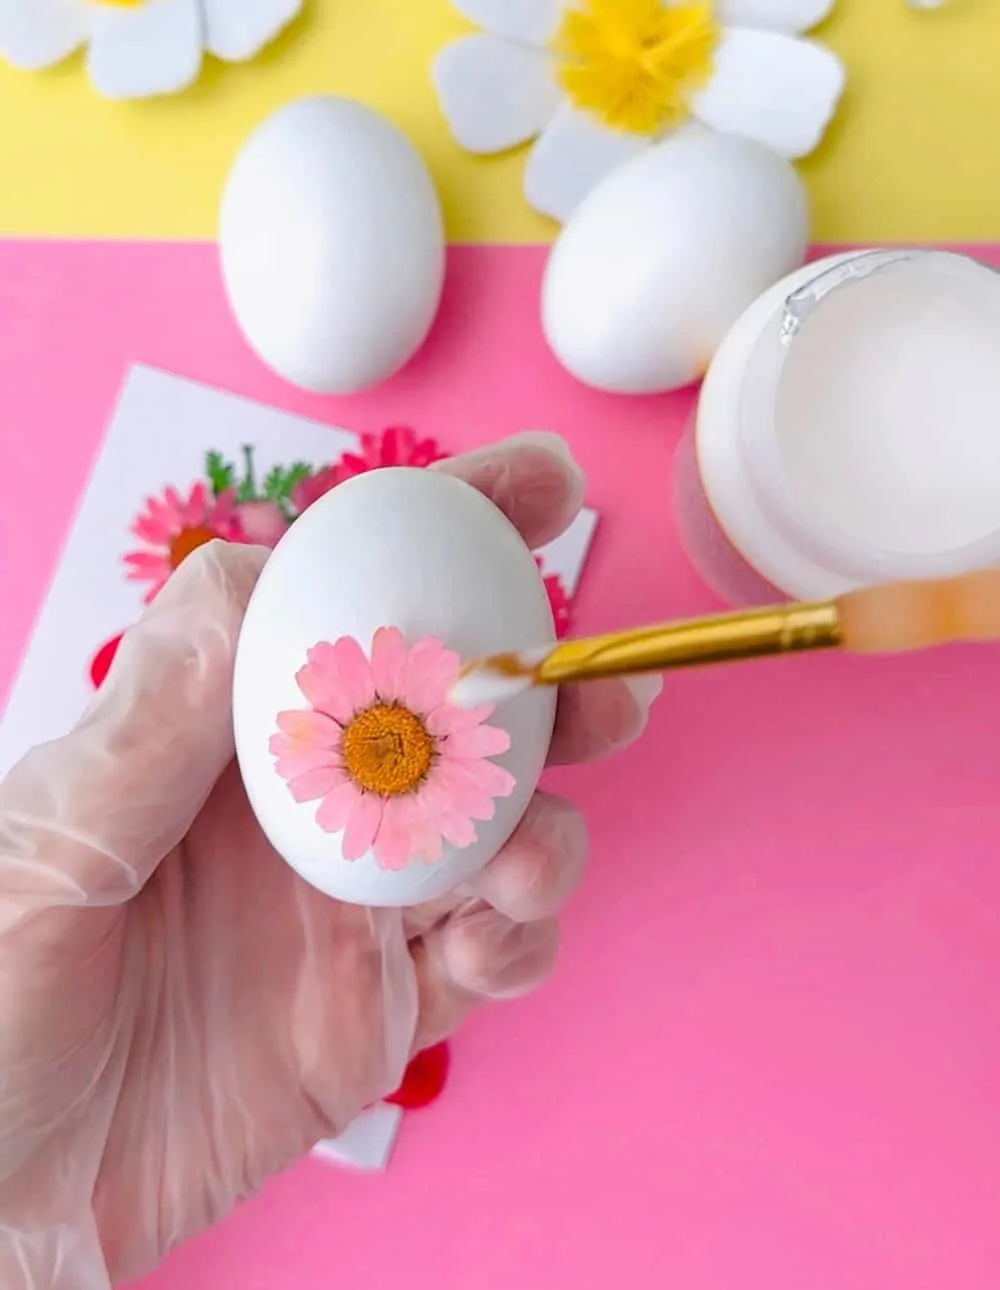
{"x":664,"y":255}
{"x":405,"y":548}
{"x":332,"y":245}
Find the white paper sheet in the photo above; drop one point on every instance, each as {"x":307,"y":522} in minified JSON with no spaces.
{"x":366,"y":1143}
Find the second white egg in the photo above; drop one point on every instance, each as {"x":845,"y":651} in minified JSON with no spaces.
{"x":332,"y":245}
{"x":660,"y":260}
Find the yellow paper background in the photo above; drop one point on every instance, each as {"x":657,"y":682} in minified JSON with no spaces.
{"x":914,"y":155}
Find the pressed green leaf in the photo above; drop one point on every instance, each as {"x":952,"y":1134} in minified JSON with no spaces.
{"x":220,"y":473}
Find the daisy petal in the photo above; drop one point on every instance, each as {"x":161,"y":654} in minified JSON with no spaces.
{"x":144,"y":50}
{"x":494,"y":94}
{"x":533,"y":22}
{"x":295,"y":759}
{"x":319,"y":681}
{"x":430,"y":673}
{"x":573,"y":155}
{"x":394,"y":843}
{"x":354,"y":672}
{"x":196,"y":507}
{"x":427,"y":840}
{"x":152,"y":530}
{"x":314,"y":784}
{"x":310,"y":728}
{"x":337,"y":807}
{"x":388,"y":662}
{"x":459,"y":831}
{"x":775,"y":89}
{"x":790,"y":16}
{"x":279,"y":745}
{"x":444,"y":806}
{"x":449,"y":719}
{"x":236,"y":30}
{"x":148,"y":562}
{"x":362,"y":827}
{"x":159,"y":508}
{"x":487,"y":777}
{"x":483,"y":741}
{"x":452,"y":792}
{"x":426,"y":826}
{"x":38,"y":33}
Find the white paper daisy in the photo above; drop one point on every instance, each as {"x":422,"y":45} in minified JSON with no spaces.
{"x":598,"y":81}
{"x":139,"y":48}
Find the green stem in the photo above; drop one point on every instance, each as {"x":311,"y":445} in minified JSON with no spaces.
{"x":249,"y":483}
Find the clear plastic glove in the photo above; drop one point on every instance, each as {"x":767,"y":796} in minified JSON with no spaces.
{"x":180,"y":1015}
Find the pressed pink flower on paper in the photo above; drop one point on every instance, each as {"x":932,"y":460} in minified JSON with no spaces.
{"x":393,"y":765}
{"x":397,"y":446}
{"x":173,"y":526}
{"x":559,"y":601}
{"x":311,"y":489}
{"x":261,"y":523}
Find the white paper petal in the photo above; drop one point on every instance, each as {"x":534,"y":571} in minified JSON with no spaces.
{"x":776,"y":89}
{"x":573,"y":155}
{"x":154,"y":48}
{"x":236,"y":30}
{"x":790,"y":16}
{"x":38,"y":33}
{"x":532,"y":22}
{"x":494,"y":94}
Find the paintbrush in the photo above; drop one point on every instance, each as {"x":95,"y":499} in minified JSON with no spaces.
{"x":894,"y":617}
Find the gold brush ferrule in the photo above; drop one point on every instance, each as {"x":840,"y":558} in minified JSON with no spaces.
{"x":755,"y":633}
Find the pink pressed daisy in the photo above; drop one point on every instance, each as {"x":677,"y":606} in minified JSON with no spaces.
{"x":173,"y":527}
{"x":393,"y":765}
{"x":397,"y":446}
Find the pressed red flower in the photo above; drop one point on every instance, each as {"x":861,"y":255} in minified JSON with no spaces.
{"x":100,"y":665}
{"x":425,"y":1079}
{"x":561,"y":604}
{"x":397,"y":446}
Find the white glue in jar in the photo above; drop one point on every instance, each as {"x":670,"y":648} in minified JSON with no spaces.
{"x":848,"y":430}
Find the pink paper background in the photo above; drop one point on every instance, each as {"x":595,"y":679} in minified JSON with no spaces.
{"x":771,"y":1057}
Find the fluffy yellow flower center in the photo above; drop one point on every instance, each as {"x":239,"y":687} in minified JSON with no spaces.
{"x":122,"y":3}
{"x":387,"y":750}
{"x":635,"y":63}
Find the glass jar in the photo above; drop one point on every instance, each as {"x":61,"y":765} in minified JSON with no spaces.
{"x":848,"y":430}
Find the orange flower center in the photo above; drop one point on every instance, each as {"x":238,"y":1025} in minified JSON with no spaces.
{"x":387,"y":750}
{"x":188,"y":540}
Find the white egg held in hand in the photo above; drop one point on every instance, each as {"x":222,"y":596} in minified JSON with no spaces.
{"x":332,"y":245}
{"x":366,"y":779}
{"x":655,"y":266}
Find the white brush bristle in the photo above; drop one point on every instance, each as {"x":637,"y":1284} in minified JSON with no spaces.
{"x":483,"y":686}
{"x":486,"y":685}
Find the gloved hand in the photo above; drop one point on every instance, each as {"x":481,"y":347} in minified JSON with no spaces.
{"x":180,"y":1015}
